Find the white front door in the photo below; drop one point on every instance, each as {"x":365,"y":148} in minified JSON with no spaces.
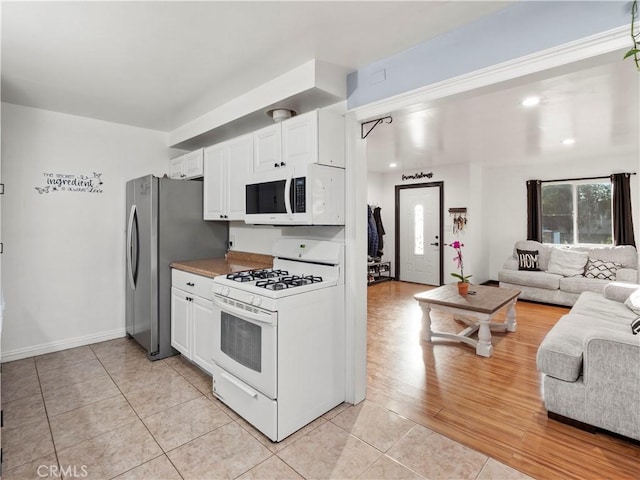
{"x":419,"y":240}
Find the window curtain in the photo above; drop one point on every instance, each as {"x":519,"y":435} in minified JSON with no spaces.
{"x":622,"y":216}
{"x":534,"y":210}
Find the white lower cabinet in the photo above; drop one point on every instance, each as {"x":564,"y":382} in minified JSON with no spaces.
{"x":192,"y":318}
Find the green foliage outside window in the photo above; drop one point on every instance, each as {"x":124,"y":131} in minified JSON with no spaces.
{"x":577,"y":213}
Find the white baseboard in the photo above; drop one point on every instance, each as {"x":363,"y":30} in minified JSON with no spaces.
{"x":60,"y":345}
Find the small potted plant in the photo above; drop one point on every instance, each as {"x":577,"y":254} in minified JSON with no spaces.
{"x":463,"y":280}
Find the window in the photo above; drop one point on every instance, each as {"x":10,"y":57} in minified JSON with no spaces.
{"x":418,"y":229}
{"x":577,"y":212}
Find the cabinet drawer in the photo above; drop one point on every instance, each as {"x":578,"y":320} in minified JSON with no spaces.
{"x":195,"y":284}
{"x":255,"y":408}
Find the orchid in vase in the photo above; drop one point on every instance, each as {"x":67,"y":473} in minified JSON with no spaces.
{"x":457,"y":246}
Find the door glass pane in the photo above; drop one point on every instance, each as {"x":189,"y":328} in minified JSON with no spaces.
{"x":594,"y":213}
{"x":241,"y":341}
{"x":557,"y":213}
{"x":418,"y":228}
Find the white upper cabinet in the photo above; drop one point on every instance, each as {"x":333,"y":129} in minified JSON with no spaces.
{"x":267,"y":146}
{"x":300,"y":139}
{"x":189,"y":165}
{"x":226,"y":168}
{"x":313,"y":137}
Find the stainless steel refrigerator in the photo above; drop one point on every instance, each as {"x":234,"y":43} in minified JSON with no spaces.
{"x":164,"y":224}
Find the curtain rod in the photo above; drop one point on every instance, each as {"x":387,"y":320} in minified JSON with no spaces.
{"x":583,"y":178}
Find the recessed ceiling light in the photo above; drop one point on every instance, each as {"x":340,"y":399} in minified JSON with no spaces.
{"x":530,"y":101}
{"x":568,"y":141}
{"x":393,"y":165}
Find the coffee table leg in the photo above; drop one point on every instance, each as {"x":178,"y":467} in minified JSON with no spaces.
{"x":484,"y":347}
{"x":426,"y":322}
{"x":512,"y":325}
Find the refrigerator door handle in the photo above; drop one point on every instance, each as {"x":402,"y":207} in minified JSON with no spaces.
{"x":132,"y":216}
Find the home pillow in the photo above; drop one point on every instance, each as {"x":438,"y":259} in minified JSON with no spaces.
{"x":568,"y":263}
{"x":602,"y":270}
{"x":528,"y":260}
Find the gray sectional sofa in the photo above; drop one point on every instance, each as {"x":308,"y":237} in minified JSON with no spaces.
{"x":591,"y":362}
{"x":558,"y":275}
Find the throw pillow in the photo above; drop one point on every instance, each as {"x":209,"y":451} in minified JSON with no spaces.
{"x":602,"y":270}
{"x":635,"y":326}
{"x":528,"y":260}
{"x":568,"y":263}
{"x":633,"y":302}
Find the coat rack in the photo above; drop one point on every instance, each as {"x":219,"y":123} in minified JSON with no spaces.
{"x":459,"y":218}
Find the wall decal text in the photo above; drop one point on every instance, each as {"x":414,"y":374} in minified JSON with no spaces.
{"x":64,"y":182}
{"x":416,"y":176}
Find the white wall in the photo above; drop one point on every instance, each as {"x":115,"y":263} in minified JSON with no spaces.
{"x":496,"y":203}
{"x":457,"y":193}
{"x":506,"y":197}
{"x":63,"y":263}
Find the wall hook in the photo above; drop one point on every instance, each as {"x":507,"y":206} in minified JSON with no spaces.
{"x":376,"y":122}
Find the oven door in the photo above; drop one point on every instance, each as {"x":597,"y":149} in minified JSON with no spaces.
{"x":245,"y":343}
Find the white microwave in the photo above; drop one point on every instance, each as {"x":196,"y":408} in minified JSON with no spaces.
{"x":308,"y":195}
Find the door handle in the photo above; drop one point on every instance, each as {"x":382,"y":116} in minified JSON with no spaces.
{"x":435,"y":244}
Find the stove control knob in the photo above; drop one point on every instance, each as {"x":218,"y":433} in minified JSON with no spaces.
{"x":251,"y":298}
{"x":225,"y":291}
{"x":257,"y":302}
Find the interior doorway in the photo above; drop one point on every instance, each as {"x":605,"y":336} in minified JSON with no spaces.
{"x":419,"y":233}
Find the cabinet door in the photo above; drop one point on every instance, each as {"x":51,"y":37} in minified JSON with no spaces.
{"x":203,"y":333}
{"x":193,"y":164}
{"x":215,"y":184}
{"x":300,"y":139}
{"x":180,"y":322}
{"x":267,"y":148}
{"x":175,"y":167}
{"x":240,"y":158}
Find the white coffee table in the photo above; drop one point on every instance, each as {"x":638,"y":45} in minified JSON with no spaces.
{"x":476,"y":310}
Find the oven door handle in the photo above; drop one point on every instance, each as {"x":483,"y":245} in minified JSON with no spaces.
{"x":244,"y":314}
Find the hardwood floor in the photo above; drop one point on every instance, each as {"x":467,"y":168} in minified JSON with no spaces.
{"x":491,"y":404}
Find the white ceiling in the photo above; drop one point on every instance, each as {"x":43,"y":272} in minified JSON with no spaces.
{"x":161,"y":64}
{"x":598,"y":106}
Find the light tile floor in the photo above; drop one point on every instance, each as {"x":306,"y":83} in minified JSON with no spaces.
{"x":104,"y":411}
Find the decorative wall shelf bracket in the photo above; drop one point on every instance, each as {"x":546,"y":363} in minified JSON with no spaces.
{"x":375,"y":124}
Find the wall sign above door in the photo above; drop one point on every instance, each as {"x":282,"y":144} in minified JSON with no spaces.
{"x":417,"y":176}
{"x":65,"y":182}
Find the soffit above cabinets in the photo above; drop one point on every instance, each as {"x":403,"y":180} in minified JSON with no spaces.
{"x":311,"y":85}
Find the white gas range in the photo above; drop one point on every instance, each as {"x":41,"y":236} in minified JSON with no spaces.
{"x":279,"y":351}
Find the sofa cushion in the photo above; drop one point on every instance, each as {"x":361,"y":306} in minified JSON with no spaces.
{"x":566,"y":262}
{"x":528,"y":260}
{"x":626,"y":255}
{"x":602,"y":270}
{"x":595,"y":305}
{"x":582,"y":284}
{"x":530,"y":279}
